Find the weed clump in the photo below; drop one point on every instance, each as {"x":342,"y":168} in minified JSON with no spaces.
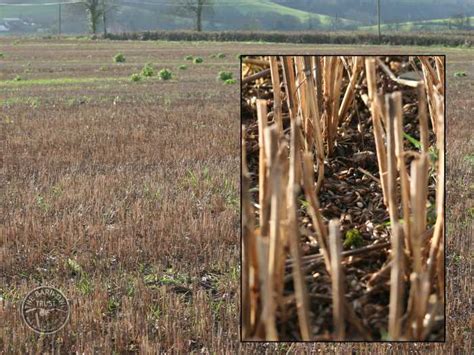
{"x":189,"y":57}
{"x":224,"y":75}
{"x":460,"y":74}
{"x":183,"y":67}
{"x":119,"y":58}
{"x":198,"y":60}
{"x":165,"y":74}
{"x":17,"y":78}
{"x":148,"y":70}
{"x":136,"y":77}
{"x":220,"y":55}
{"x":1,"y":55}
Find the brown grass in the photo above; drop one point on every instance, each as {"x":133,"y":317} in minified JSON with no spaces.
{"x":408,"y":193}
{"x":160,"y":142}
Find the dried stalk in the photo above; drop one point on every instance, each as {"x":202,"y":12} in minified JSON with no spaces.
{"x":396,"y":284}
{"x":303,"y":102}
{"x":350,"y":90}
{"x":253,"y":61}
{"x":422,"y":117}
{"x":277,"y":107}
{"x":317,"y":129}
{"x":392,"y":103}
{"x":439,"y":225}
{"x":270,"y":307}
{"x":399,"y":152}
{"x":391,"y":160}
{"x":378,"y":130}
{"x":299,"y":282}
{"x":256,"y":76}
{"x":313,"y":207}
{"x":262,"y":165}
{"x":337,"y":276}
{"x":289,"y":80}
{"x":392,"y":76}
{"x":419,"y":179}
{"x":250,"y":286}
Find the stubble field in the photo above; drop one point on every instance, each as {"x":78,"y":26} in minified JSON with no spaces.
{"x":125,"y":195}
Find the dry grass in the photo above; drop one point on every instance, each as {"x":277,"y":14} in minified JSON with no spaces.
{"x":155,"y":317}
{"x":323,"y":130}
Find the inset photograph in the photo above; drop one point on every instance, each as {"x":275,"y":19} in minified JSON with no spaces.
{"x":343,"y":193}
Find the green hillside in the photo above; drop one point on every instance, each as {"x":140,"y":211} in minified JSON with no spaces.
{"x":225,"y":15}
{"x":266,"y":7}
{"x":427,"y":25}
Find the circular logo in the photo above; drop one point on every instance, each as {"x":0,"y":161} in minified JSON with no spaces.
{"x":45,"y":310}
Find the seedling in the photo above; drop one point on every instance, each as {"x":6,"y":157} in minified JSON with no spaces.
{"x":189,"y":57}
{"x":183,"y":67}
{"x":353,"y":239}
{"x":198,"y":60}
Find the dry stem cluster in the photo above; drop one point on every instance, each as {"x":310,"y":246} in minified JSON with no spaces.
{"x":319,"y":97}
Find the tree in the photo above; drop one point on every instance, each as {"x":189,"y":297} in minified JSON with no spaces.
{"x":94,"y":12}
{"x":196,"y":8}
{"x":108,"y":6}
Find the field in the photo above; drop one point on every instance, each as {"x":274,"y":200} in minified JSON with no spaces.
{"x":125,"y":195}
{"x":426,"y":25}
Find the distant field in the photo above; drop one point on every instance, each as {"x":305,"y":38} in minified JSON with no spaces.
{"x":427,"y":25}
{"x":269,"y":7}
{"x":125,"y":195}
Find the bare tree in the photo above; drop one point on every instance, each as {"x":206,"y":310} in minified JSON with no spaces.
{"x":108,"y":6}
{"x":94,"y":11}
{"x":196,"y":8}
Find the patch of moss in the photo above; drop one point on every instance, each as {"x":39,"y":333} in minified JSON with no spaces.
{"x":353,"y":238}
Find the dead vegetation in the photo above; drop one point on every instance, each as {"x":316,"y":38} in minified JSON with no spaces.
{"x":352,"y":121}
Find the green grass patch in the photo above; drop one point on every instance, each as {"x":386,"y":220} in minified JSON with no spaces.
{"x":57,"y":81}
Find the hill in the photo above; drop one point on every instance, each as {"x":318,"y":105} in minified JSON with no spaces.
{"x":132,"y":15}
